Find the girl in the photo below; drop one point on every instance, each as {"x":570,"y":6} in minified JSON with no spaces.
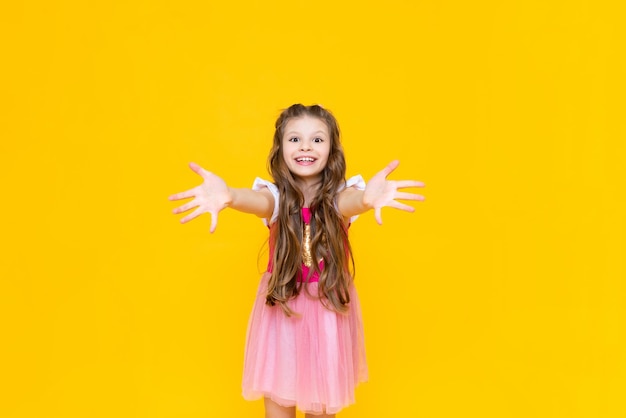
{"x":304,"y":345}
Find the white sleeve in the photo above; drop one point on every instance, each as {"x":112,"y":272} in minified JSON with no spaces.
{"x":358,"y":183}
{"x":258,"y":184}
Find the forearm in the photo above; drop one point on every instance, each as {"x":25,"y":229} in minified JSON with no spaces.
{"x":350,"y":202}
{"x":260,"y":203}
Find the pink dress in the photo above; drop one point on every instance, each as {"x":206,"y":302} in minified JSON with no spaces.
{"x":313,"y":360}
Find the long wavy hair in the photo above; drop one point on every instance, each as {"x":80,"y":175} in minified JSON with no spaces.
{"x":329,"y":233}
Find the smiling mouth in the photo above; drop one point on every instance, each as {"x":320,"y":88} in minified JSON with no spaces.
{"x":305,"y":160}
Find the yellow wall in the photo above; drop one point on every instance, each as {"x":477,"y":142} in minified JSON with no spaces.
{"x":503,"y":295}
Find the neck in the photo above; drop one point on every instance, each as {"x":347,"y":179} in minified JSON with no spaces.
{"x":309,"y":188}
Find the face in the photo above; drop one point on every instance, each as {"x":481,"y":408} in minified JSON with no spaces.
{"x":306,"y":146}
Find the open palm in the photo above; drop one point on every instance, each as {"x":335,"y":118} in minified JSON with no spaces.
{"x":380,"y":192}
{"x":211,"y":196}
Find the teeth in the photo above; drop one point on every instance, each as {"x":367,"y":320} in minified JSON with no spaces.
{"x":307,"y":159}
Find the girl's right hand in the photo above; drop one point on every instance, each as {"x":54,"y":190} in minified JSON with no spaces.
{"x":212,"y":196}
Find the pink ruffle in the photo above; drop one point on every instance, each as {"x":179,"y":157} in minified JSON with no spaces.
{"x":313,"y":361}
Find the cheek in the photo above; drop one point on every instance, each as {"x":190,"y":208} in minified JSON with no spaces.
{"x":285,"y":152}
{"x":287,"y":147}
{"x":327,"y":152}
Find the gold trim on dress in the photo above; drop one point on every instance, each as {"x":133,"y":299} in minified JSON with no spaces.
{"x":307,"y":258}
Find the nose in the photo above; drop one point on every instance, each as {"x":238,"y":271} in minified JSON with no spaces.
{"x":305,"y":146}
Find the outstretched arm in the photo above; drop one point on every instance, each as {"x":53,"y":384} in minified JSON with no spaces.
{"x":379,"y":192}
{"x":213,"y":196}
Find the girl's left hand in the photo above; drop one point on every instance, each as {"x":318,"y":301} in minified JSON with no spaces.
{"x":380,"y":192}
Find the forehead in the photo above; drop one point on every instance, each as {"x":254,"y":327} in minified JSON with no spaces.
{"x":305,"y":125}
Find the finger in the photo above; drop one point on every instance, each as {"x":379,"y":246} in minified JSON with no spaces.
{"x":185,"y":207}
{"x":213,"y":222}
{"x":195,"y":167}
{"x":401,"y":184}
{"x":378,"y":217}
{"x":401,"y":206}
{"x":408,"y":196}
{"x":191,"y":216}
{"x":390,"y":167}
{"x":182,"y":195}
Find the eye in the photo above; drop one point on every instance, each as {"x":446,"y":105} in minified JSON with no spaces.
{"x":294,"y":139}
{"x":318,"y":140}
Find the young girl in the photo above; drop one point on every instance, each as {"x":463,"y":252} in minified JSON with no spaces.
{"x":304,"y":345}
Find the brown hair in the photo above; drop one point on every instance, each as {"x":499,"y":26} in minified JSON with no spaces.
{"x":329,"y":233}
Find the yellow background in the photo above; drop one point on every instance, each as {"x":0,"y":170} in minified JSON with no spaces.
{"x":503,"y":295}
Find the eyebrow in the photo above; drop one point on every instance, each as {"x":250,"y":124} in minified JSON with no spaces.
{"x":298,"y":133}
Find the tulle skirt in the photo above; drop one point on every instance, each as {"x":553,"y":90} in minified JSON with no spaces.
{"x":312,"y":361}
